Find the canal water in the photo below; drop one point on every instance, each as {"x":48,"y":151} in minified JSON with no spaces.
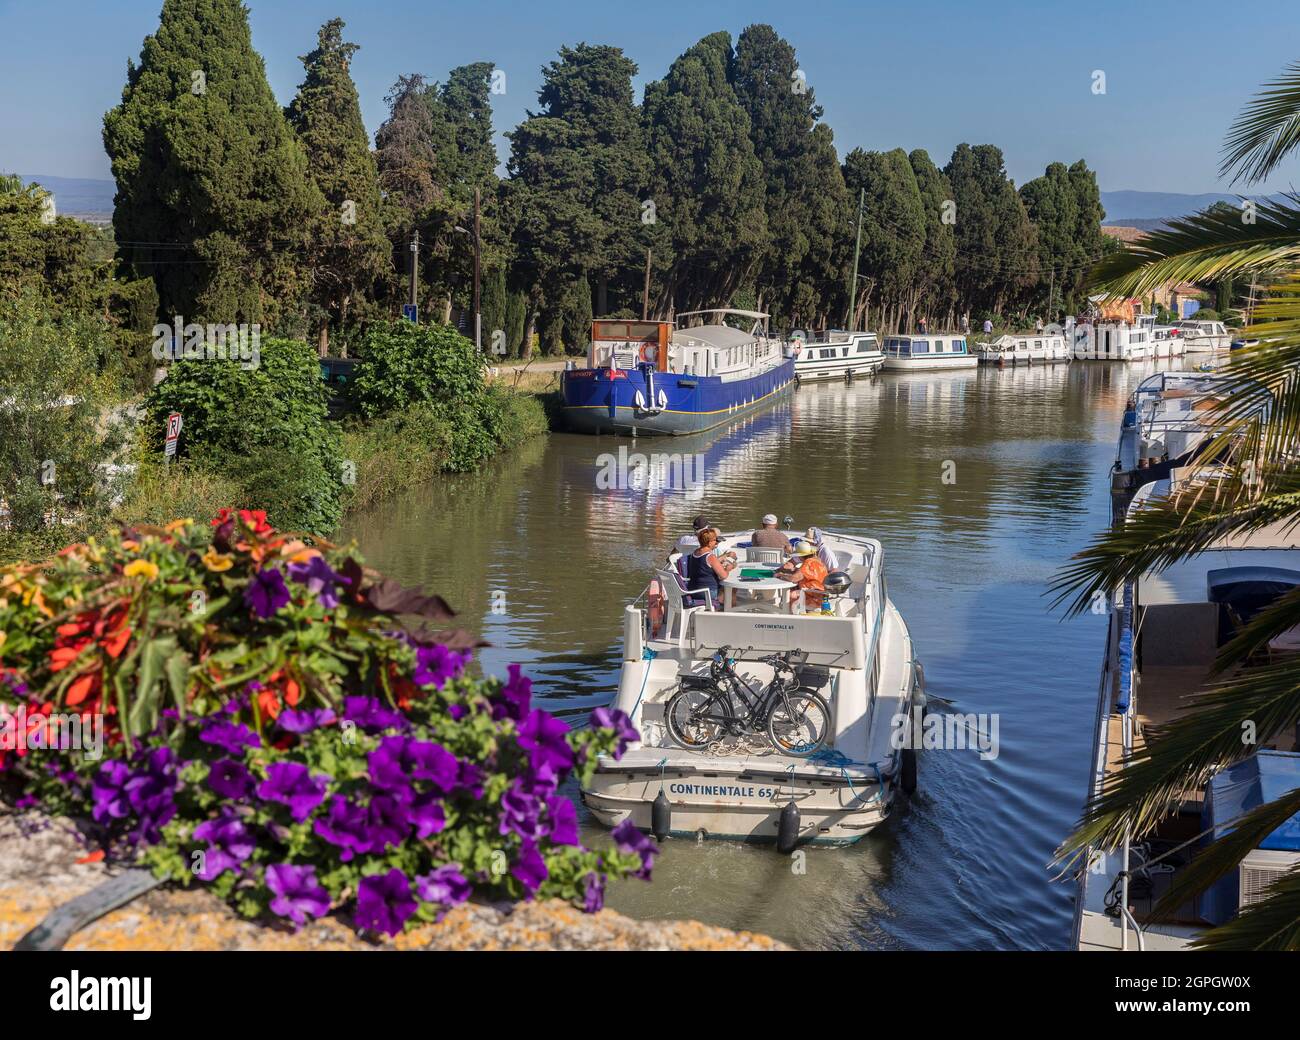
{"x":980,"y":485}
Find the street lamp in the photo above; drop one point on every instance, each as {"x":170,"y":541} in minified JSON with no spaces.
{"x":478,"y":247}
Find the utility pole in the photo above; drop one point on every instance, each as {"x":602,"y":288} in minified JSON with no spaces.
{"x":645,"y":293}
{"x":478,"y":314}
{"x":415,"y":264}
{"x":857,"y":249}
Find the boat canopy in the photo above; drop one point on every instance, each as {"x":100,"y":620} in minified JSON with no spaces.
{"x":1264,"y":777}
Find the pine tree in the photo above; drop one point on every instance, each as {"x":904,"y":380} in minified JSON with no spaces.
{"x":350,"y":250}
{"x":893,"y":234}
{"x":933,"y":290}
{"x":213,"y":196}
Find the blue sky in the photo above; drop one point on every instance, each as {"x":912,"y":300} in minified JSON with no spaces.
{"x":928,"y":74}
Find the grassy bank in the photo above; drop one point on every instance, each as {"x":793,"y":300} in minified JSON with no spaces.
{"x":398,"y":452}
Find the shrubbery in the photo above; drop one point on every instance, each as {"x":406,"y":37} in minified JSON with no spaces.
{"x":281,"y":723}
{"x":264,"y":426}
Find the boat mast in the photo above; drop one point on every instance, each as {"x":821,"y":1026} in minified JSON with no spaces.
{"x":857,"y":249}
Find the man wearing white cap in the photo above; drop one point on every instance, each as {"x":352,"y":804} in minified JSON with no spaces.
{"x":768,"y":537}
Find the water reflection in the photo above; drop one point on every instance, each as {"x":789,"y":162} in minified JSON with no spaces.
{"x":978,"y":483}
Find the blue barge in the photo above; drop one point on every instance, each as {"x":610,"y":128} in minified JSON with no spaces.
{"x":647,"y":378}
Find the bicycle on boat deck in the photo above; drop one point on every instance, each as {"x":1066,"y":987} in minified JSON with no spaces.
{"x":795,"y":718}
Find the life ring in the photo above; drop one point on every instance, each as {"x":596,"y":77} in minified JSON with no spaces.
{"x":649,"y":353}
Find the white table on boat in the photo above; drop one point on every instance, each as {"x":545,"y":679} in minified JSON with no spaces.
{"x":772,"y":585}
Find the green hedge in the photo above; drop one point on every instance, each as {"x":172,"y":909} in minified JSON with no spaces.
{"x":264,"y":426}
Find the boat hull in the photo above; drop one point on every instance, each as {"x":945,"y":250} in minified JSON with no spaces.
{"x":832,"y":368}
{"x":606,"y":400}
{"x":744,"y":807}
{"x":930,"y":364}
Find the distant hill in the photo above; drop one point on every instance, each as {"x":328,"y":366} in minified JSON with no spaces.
{"x":1148,"y":209}
{"x":80,"y":197}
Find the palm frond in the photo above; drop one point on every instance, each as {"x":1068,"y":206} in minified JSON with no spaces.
{"x":1267,"y":130}
{"x":1206,"y":247}
{"x":1224,"y":854}
{"x":1282,"y":615}
{"x":1168,"y":531}
{"x":1271,"y":924}
{"x":1182,"y":755}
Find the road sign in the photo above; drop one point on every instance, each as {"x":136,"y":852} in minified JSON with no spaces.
{"x":173,"y":434}
{"x":411,"y":312}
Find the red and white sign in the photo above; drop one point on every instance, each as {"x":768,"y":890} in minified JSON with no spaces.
{"x":173,"y":434}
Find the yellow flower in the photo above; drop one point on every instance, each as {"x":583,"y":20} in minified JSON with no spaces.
{"x":3,"y":637}
{"x":215,"y":561}
{"x":176,"y":525}
{"x":138,"y":567}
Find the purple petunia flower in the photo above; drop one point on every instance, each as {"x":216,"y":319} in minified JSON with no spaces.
{"x":292,"y":784}
{"x":512,"y":700}
{"x":346,"y":826}
{"x":384,"y":902}
{"x":593,"y":892}
{"x":266,"y":592}
{"x":446,"y":885}
{"x":469,"y":779}
{"x":563,"y":819}
{"x":530,"y":869}
{"x":231,"y":737}
{"x":542,"y":736}
{"x":297,"y":893}
{"x":399,"y":760}
{"x":629,"y":839}
{"x":320,"y":579}
{"x":230,"y":779}
{"x":435,"y":664}
{"x":293,"y":721}
{"x":108,"y":788}
{"x":152,"y":793}
{"x":520,"y":810}
{"x":229,"y":844}
{"x":426,"y":815}
{"x":371,"y":715}
{"x":620,"y":723}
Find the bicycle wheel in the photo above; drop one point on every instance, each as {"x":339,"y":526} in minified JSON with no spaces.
{"x":800,"y":723}
{"x":685,"y":717}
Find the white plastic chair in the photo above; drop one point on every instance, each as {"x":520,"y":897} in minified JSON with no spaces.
{"x":678,"y":606}
{"x":757,"y":555}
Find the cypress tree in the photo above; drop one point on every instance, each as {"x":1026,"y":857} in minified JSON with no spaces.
{"x":350,"y":250}
{"x":707,"y":184}
{"x":213,"y":197}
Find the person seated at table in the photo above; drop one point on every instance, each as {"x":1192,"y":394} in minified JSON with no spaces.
{"x":705,"y":570}
{"x":807,"y":571}
{"x":687,"y":542}
{"x":769,"y":537}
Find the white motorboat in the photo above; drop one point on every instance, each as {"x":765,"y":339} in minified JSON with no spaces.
{"x":1204,"y":337}
{"x":836,"y":355}
{"x":1115,"y":340}
{"x":927,"y":353}
{"x":1165,"y":631}
{"x":690,"y":776}
{"x":1024,"y":348}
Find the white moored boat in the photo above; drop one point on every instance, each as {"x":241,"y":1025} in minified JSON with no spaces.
{"x":1165,"y":633}
{"x":1204,"y":337}
{"x":837,"y":355}
{"x":925,"y":353}
{"x":854,"y":654}
{"x":1115,"y":340}
{"x":1025,"y":348}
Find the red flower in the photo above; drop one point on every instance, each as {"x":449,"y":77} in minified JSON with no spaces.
{"x":255,"y":521}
